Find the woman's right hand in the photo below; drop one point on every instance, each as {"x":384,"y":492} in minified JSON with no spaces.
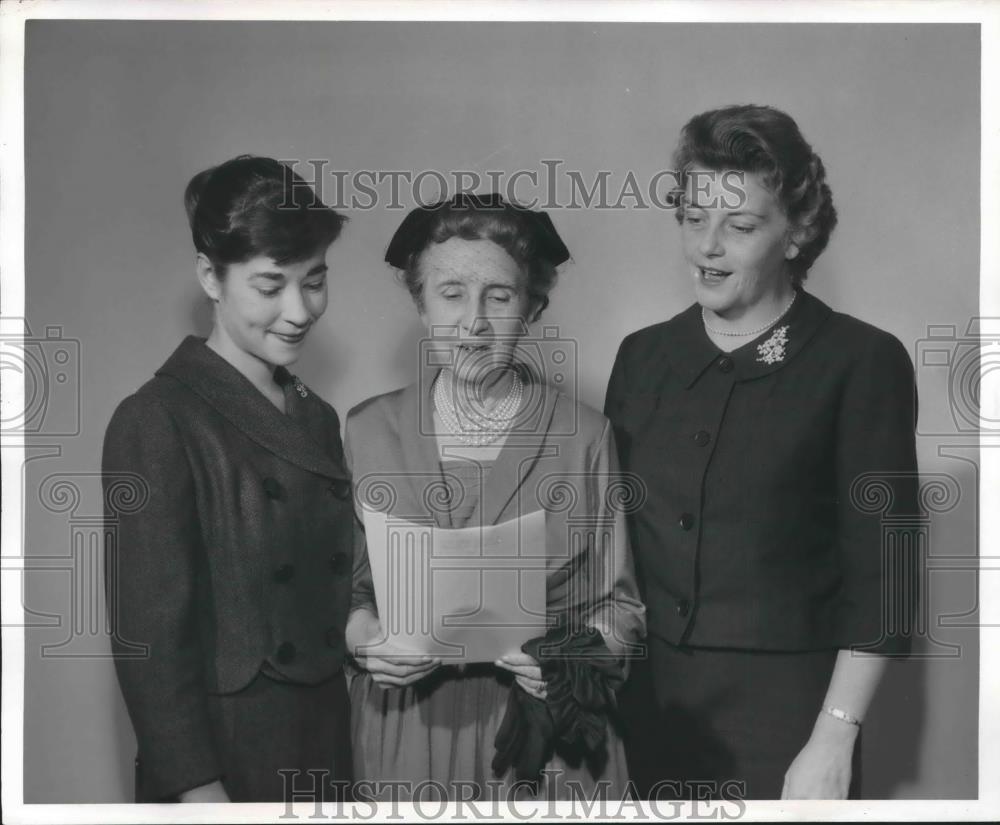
{"x":389,"y":666}
{"x":393,"y":667}
{"x":212,"y":792}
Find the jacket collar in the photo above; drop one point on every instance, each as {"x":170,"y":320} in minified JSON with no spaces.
{"x":518,"y":455}
{"x":692,"y":351}
{"x":231,"y":394}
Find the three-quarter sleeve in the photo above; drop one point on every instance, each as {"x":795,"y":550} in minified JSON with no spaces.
{"x":362,"y":588}
{"x":614,"y":398}
{"x":152,"y":601}
{"x":877,"y":501}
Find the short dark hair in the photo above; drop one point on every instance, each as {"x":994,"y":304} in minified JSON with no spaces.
{"x":765,"y":141}
{"x":527,"y":236}
{"x":251,"y":206}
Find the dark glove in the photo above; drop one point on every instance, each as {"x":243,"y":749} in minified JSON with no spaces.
{"x":581,"y":677}
{"x":526,"y":737}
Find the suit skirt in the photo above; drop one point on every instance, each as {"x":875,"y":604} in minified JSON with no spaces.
{"x":272,"y":733}
{"x":719,"y":723}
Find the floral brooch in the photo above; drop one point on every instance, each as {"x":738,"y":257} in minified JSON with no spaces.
{"x":300,"y":388}
{"x":772,"y":350}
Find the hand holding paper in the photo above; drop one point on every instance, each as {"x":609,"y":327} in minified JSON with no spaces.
{"x":527,"y":672}
{"x":458,"y":596}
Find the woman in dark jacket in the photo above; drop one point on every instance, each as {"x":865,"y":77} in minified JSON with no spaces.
{"x":767,"y":429}
{"x":234,"y":576}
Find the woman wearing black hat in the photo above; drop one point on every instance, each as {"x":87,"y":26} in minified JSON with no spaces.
{"x":499,"y":443}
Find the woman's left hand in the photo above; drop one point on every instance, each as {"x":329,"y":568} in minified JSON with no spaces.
{"x":527,"y":672}
{"x":822,"y":770}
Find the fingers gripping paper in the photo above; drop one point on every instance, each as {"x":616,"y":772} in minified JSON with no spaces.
{"x":467,"y":595}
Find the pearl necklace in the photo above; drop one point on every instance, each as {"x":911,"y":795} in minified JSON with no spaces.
{"x":757,"y":331}
{"x":478,"y":428}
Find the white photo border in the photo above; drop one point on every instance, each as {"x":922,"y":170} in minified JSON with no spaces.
{"x":12,"y":22}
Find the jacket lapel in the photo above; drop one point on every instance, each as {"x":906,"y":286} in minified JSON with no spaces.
{"x":233,"y":396}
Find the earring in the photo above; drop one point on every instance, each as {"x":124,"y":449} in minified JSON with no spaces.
{"x":792,"y":251}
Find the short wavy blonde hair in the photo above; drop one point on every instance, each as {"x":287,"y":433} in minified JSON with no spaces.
{"x":766,"y":141}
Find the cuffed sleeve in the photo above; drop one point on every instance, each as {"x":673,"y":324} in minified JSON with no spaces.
{"x":877,"y":501}
{"x":152,"y":599}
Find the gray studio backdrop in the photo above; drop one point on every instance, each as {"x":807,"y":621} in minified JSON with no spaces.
{"x":120,"y":114}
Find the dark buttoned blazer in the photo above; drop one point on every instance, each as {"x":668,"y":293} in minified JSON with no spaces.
{"x":239,"y":557}
{"x":781,"y":482}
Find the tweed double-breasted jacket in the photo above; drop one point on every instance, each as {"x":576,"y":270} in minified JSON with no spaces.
{"x":240,"y":558}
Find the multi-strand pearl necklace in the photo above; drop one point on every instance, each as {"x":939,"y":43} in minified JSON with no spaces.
{"x":473,"y":427}
{"x":757,"y":331}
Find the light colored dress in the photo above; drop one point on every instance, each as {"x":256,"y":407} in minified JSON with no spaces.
{"x":442,"y":729}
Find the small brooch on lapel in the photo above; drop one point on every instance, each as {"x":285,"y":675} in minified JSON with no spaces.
{"x":300,"y":388}
{"x":773,"y":349}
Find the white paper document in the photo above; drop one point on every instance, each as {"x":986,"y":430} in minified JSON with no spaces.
{"x":467,"y":595}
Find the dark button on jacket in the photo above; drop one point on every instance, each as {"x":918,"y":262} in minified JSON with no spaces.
{"x":765,"y":457}
{"x":341,"y":489}
{"x":211,"y":574}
